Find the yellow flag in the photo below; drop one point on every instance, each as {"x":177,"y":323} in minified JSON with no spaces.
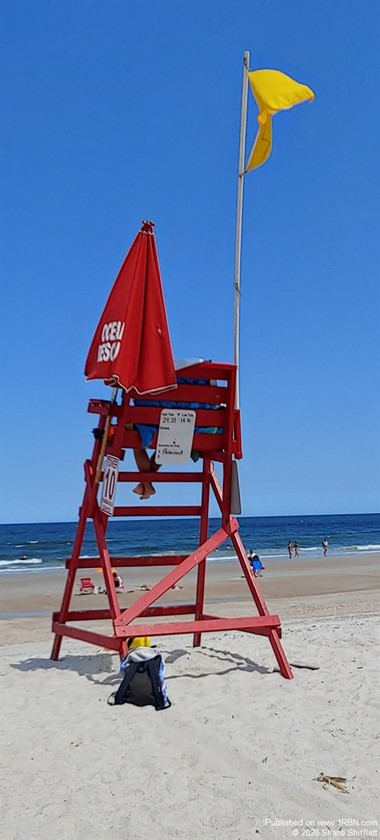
{"x":273,"y":91}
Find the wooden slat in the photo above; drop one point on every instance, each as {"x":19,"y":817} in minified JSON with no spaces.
{"x":103,"y":613}
{"x":84,"y":615}
{"x":212,"y":394}
{"x":129,"y":562}
{"x":212,"y":625}
{"x":86,"y":636}
{"x":151,"y":416}
{"x":169,"y":609}
{"x":258,"y":631}
{"x":202,"y":442}
{"x":187,"y":510}
{"x":194,"y":477}
{"x":103,"y":407}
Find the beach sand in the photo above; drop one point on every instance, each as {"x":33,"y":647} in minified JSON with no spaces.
{"x":336,"y":585}
{"x":240,"y":748}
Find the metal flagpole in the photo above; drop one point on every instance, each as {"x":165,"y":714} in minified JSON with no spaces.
{"x":235,"y":488}
{"x":239,"y":220}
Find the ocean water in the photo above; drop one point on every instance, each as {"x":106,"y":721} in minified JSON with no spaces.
{"x":40,"y":546}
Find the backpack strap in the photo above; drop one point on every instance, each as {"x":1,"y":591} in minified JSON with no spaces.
{"x":152,"y":668}
{"x":118,"y":697}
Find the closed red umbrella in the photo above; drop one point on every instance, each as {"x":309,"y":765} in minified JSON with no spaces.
{"x":131,"y":346}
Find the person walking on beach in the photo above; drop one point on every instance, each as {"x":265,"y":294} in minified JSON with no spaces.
{"x":296,"y":549}
{"x":325,"y":545}
{"x":290,"y":549}
{"x":256,"y":564}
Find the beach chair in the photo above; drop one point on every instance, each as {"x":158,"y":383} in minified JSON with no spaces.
{"x":86,"y":585}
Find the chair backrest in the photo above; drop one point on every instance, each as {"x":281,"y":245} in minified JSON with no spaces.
{"x":211,"y":392}
{"x":86,"y":581}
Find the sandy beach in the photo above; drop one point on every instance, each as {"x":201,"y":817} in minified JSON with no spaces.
{"x":336,"y":585}
{"x":238,"y":753}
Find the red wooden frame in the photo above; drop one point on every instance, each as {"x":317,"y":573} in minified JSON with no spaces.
{"x":221,"y":447}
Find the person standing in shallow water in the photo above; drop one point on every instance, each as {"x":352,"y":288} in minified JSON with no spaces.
{"x":325,"y":545}
{"x":290,"y":549}
{"x":296,"y":549}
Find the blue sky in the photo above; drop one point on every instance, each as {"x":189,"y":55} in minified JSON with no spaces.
{"x":113,"y":112}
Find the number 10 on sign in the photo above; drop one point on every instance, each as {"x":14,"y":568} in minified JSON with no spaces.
{"x":111,"y":472}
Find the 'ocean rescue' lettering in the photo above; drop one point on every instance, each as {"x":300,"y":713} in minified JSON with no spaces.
{"x":112,"y":335}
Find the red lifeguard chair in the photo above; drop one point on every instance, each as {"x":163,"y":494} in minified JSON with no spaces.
{"x":221,"y":447}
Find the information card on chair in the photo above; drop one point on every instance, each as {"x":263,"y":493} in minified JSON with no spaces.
{"x":110,"y":476}
{"x":175,"y":436}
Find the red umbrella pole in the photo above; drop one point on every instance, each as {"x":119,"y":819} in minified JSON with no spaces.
{"x":105,"y":440}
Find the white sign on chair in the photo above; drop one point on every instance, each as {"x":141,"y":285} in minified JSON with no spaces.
{"x":110,"y":477}
{"x":175,"y":436}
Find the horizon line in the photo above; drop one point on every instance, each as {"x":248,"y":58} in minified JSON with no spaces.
{"x":184,"y":518}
